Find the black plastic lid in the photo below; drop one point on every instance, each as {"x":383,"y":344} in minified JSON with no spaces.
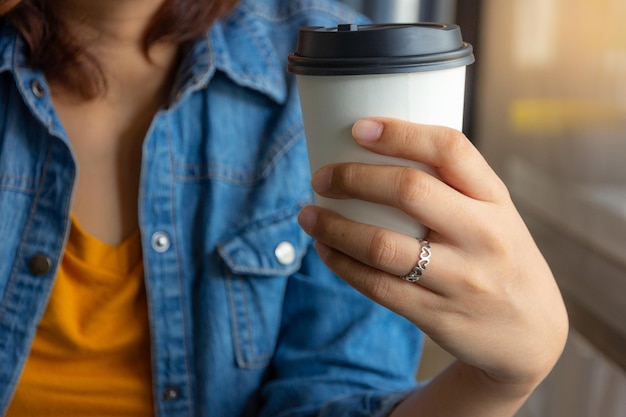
{"x":379,"y":49}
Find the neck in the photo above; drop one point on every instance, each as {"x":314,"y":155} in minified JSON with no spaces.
{"x":108,"y":23}
{"x":113,"y":31}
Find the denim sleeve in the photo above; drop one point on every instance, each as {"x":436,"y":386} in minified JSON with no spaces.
{"x":339,"y":354}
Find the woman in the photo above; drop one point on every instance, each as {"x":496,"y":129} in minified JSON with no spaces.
{"x":152,"y":169}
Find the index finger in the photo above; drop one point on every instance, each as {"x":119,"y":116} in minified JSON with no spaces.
{"x":455,"y":159}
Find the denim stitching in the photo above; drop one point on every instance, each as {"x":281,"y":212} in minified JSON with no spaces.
{"x":261,"y":358}
{"x":20,"y":252}
{"x":256,"y":360}
{"x":173,"y":224}
{"x":219,"y":172}
{"x":228,"y":281}
{"x":24,"y":190}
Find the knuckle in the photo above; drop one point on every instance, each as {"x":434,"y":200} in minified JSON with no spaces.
{"x":497,"y":243}
{"x":406,"y":132}
{"x":327,"y":229}
{"x":383,"y":250}
{"x":500,"y":192}
{"x":338,"y":177}
{"x":473,"y":284}
{"x":489,"y":277}
{"x":455,"y":145}
{"x":379,"y":288}
{"x":413,"y":185}
{"x":344,"y":177}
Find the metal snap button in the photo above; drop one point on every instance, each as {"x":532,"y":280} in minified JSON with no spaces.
{"x":285,"y":253}
{"x":37,"y":89}
{"x":160,"y":242}
{"x":170,"y":394}
{"x":39,"y":264}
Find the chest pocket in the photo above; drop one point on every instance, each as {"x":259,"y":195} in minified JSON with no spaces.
{"x":258,"y":263}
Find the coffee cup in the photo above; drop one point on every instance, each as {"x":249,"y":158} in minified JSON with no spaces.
{"x":415,"y":72}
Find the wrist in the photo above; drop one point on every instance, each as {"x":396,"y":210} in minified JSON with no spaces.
{"x":506,"y":387}
{"x":475,"y":394}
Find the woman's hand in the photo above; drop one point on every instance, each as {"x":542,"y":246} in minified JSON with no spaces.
{"x":488,"y":296}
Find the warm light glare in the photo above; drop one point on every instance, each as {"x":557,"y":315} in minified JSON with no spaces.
{"x":535,"y":30}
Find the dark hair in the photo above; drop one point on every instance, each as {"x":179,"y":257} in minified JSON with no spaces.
{"x":64,"y":59}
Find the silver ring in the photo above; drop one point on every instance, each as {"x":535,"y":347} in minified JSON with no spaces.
{"x":418,"y":272}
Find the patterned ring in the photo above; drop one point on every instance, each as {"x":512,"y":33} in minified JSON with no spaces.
{"x":418,"y":272}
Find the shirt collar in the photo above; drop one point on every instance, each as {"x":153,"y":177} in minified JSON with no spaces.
{"x":29,"y":81}
{"x":239,"y":46}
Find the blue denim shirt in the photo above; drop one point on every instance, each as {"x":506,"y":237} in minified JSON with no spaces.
{"x":245,"y":319}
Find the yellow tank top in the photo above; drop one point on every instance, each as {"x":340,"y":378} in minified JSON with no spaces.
{"x":91,"y":353}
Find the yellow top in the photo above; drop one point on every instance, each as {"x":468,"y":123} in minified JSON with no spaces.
{"x":91,"y":353}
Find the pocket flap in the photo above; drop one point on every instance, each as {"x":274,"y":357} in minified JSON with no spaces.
{"x":269,"y":247}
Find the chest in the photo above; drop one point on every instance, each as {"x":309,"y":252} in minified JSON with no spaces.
{"x":106,"y":142}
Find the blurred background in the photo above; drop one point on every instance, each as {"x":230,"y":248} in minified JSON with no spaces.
{"x":546,"y":105}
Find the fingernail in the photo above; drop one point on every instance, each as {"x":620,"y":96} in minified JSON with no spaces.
{"x":307,"y":219}
{"x":321,"y":180}
{"x":367,"y":131}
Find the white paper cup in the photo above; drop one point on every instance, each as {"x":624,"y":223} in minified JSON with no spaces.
{"x":336,"y":91}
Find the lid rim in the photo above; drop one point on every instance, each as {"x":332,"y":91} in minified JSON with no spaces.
{"x":300,"y":65}
{"x":377,"y":70}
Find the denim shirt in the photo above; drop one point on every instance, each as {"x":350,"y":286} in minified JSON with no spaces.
{"x":245,"y":319}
